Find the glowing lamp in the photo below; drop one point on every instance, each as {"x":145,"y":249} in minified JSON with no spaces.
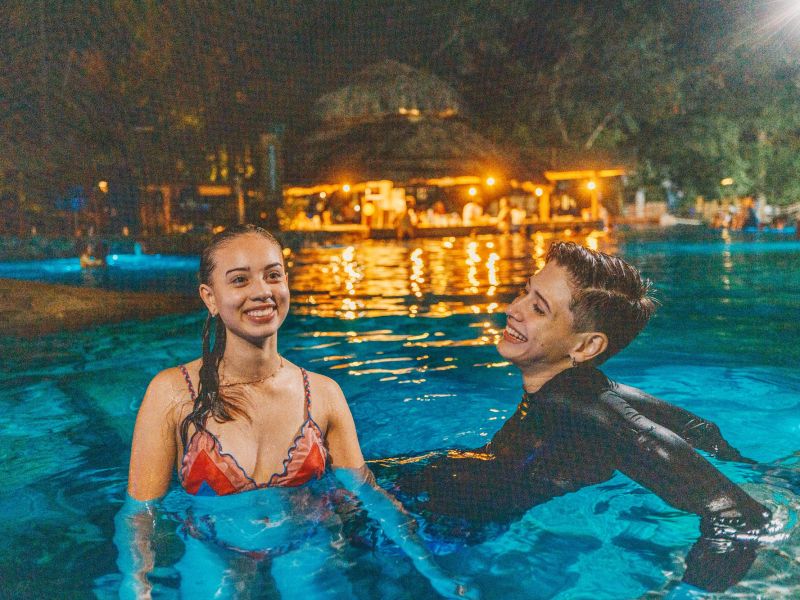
{"x":323,"y":195}
{"x":346,"y":187}
{"x":538,"y":191}
{"x":490,"y":181}
{"x":473,"y":191}
{"x":592,"y":184}
{"x":102,"y":186}
{"x":369,"y":209}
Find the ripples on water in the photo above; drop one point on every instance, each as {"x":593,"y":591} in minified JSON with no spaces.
{"x":408,"y":331}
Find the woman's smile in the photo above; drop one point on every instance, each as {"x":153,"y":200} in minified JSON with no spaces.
{"x":261,"y":314}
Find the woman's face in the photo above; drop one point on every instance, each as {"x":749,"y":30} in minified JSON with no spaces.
{"x":539,"y":325}
{"x":249,"y":288}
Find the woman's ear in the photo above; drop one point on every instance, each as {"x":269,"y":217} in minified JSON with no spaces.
{"x":207,"y":296}
{"x":592,"y":344}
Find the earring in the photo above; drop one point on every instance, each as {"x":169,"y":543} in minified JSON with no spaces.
{"x":574,"y":362}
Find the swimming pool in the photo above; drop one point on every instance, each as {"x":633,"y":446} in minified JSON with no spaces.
{"x":408,"y":332}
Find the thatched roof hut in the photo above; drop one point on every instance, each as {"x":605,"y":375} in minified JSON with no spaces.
{"x":400,"y":124}
{"x":387,"y":89}
{"x":404,"y":151}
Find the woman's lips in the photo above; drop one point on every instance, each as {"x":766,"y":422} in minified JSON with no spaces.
{"x":513,"y":336}
{"x":261,"y":314}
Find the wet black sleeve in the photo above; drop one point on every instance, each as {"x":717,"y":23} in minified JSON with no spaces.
{"x":700,"y":433}
{"x":666,"y":464}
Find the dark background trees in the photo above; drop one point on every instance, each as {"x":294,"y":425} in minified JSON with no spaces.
{"x":146,"y":91}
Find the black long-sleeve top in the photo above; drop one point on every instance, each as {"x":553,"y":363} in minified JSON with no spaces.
{"x":577,"y":430}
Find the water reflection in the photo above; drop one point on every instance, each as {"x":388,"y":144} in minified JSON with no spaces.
{"x":428,"y":277}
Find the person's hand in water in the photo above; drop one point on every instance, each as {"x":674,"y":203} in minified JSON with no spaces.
{"x":401,"y":528}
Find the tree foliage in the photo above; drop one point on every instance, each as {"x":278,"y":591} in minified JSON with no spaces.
{"x":179,"y":91}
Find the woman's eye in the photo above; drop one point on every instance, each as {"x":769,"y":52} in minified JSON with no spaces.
{"x":238,"y":280}
{"x":274,"y":275}
{"x":537,"y":310}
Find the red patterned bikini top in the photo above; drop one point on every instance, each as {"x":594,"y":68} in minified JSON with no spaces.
{"x":208,"y":471}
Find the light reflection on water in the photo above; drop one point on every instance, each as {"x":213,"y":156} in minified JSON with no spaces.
{"x":427,"y":277}
{"x":369,"y":316}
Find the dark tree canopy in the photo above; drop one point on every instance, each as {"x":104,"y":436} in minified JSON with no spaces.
{"x":694,"y":90}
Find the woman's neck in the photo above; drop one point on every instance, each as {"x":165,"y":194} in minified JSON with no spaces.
{"x":244,"y":360}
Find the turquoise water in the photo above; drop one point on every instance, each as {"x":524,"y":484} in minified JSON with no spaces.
{"x":408,"y":332}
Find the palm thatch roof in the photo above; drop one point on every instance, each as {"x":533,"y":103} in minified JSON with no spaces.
{"x":402,"y":150}
{"x":385,"y":89}
{"x":400,"y":124}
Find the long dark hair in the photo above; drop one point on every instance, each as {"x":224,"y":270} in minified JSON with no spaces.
{"x":209,"y":401}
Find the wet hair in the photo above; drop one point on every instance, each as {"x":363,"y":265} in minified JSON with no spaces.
{"x":209,"y":401}
{"x":608,"y":295}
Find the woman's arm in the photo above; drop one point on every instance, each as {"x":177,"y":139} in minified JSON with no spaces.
{"x":153,"y":453}
{"x":663,"y":462}
{"x":154,"y":449}
{"x":134,"y":526}
{"x":350,"y":469}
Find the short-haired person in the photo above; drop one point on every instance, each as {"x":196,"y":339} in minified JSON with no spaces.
{"x":575,"y":427}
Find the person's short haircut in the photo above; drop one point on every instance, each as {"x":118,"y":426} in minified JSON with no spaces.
{"x":608,"y":295}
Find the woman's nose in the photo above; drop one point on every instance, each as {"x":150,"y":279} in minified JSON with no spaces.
{"x":261,"y":289}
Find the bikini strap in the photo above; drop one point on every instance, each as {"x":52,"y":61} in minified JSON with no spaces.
{"x":307,"y":387}
{"x":188,"y":381}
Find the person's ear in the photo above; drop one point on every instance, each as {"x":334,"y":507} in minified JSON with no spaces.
{"x":207,"y":296}
{"x":591,"y":344}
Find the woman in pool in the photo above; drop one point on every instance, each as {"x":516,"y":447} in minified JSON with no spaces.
{"x":243,"y":417}
{"x":575,"y":427}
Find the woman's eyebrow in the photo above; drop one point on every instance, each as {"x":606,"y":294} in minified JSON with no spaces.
{"x":247,"y":269}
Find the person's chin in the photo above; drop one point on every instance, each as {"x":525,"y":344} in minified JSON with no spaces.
{"x":508,"y":350}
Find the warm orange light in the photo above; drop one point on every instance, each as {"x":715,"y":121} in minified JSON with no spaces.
{"x":369,"y":209}
{"x":346,"y":187}
{"x":323,"y":195}
{"x":727,"y":181}
{"x":490,"y":181}
{"x":538,"y":191}
{"x":103,"y":186}
{"x":592,"y":184}
{"x":473,"y":191}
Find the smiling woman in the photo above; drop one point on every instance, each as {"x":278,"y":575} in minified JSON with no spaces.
{"x":272,"y":417}
{"x":280,"y":426}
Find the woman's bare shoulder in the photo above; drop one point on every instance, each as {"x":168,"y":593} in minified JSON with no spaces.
{"x":322,"y":384}
{"x":169,"y":389}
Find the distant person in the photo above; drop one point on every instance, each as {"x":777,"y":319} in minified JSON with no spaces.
{"x":406,"y":222}
{"x":575,"y":427}
{"x":503,"y":219}
{"x":750,"y":216}
{"x":471,"y":213}
{"x":437,"y":214}
{"x":93,"y":255}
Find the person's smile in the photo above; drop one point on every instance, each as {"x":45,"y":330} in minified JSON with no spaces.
{"x":513,"y":335}
{"x":261,"y":314}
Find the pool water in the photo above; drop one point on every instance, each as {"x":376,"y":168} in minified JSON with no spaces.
{"x":408,"y":331}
